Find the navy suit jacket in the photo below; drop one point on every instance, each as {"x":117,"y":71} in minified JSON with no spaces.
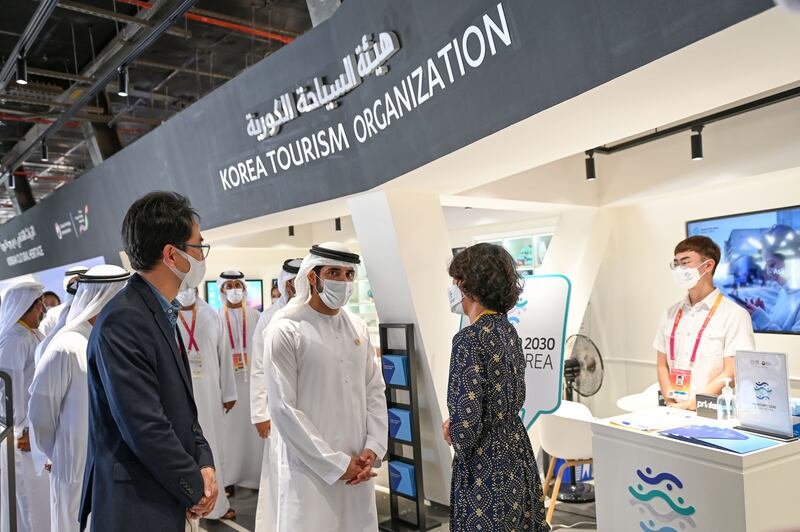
{"x":146,"y":447}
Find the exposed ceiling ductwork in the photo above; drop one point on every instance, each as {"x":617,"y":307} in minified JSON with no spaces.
{"x":72,"y":52}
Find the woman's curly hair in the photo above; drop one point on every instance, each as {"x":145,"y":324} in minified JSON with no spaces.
{"x":487,"y":272}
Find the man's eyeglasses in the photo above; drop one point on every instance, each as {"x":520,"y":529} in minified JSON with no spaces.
{"x":205,"y":249}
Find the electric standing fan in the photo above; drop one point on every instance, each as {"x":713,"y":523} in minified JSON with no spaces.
{"x":583,"y":373}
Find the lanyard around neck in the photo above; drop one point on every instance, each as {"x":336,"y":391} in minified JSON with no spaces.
{"x":230,"y":329}
{"x":192,"y":340}
{"x":699,"y":334}
{"x":484,"y":313}
{"x":28,"y":327}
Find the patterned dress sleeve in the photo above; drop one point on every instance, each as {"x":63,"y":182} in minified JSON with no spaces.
{"x":465,"y":395}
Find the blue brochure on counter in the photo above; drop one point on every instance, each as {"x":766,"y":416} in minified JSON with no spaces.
{"x":720,"y":438}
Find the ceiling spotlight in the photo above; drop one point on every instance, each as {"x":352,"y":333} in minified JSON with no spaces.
{"x":338,"y":223}
{"x":291,"y":230}
{"x":122,"y":81}
{"x":44,"y":151}
{"x":590,"y":170}
{"x":697,"y":143}
{"x":22,"y":69}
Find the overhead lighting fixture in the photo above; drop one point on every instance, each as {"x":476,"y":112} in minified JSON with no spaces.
{"x":44,"y":151}
{"x":697,"y":143}
{"x":22,"y":69}
{"x":291,"y":230}
{"x":122,"y":81}
{"x":591,"y":175}
{"x":338,"y":223}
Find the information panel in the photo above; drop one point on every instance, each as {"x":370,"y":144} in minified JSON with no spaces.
{"x":540,"y":318}
{"x":762,"y":392}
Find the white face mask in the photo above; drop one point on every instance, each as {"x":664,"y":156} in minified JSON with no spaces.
{"x":192,"y":278}
{"x":687,"y":278}
{"x":335,"y":294}
{"x":187,"y":298}
{"x":456,"y":299}
{"x":234,"y":295}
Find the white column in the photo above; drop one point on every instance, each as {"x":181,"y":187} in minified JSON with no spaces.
{"x":406,"y":250}
{"x":577,"y":251}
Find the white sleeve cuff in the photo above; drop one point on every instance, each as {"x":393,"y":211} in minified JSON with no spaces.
{"x":342,"y":461}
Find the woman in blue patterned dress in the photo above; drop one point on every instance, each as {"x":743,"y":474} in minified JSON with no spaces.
{"x":496,"y":485}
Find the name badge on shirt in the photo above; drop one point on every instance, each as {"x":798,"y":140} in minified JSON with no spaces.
{"x":680,"y":383}
{"x":239,"y":361}
{"x":195,"y":364}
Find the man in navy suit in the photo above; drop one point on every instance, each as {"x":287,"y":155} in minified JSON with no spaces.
{"x":148,"y":466}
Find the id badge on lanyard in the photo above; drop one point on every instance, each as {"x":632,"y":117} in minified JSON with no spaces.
{"x":680,"y":380}
{"x":680,"y":383}
{"x":240,"y":360}
{"x":196,"y":364}
{"x":192,"y":349}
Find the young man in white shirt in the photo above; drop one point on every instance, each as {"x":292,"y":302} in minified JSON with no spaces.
{"x":698,"y":337}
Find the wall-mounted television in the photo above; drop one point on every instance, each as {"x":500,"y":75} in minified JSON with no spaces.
{"x":760,"y":264}
{"x":255,"y":294}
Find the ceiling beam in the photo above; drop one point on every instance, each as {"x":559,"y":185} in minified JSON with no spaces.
{"x":214,"y":21}
{"x":123,"y":49}
{"x":161,"y":66}
{"x":59,"y":75}
{"x":20,"y":98}
{"x":77,"y":7}
{"x":28,"y":37}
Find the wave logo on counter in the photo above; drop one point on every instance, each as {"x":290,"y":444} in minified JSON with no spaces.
{"x":519,"y":308}
{"x":762,"y":390}
{"x":661,"y":503}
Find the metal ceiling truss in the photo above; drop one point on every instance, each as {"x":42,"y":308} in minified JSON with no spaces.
{"x":122,"y":52}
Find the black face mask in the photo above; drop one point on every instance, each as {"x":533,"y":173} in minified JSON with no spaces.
{"x":72,"y":288}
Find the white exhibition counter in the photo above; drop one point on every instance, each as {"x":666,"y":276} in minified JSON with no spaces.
{"x":648,"y":482}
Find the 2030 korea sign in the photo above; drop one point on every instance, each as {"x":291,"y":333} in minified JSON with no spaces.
{"x":540,"y":318}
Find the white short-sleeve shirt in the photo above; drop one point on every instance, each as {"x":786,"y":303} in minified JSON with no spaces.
{"x":729,"y":330}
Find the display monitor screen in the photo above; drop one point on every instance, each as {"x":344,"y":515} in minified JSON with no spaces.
{"x":255,"y":294}
{"x":760,"y":264}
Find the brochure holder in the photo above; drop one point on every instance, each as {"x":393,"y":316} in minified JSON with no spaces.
{"x":405,"y":445}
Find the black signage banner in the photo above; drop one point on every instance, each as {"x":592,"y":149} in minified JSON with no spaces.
{"x":382,"y":88}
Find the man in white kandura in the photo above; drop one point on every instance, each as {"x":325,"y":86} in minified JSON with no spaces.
{"x":267,"y":510}
{"x":326,"y":398}
{"x":242,"y":449}
{"x":56,"y":317}
{"x":59,"y":404}
{"x":212,"y":378}
{"x":20,"y":316}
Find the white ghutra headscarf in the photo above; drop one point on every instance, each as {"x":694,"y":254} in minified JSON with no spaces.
{"x":325,"y":254}
{"x":16,"y":302}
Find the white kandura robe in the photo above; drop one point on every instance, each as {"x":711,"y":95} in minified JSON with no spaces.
{"x":58,"y":321}
{"x":213,"y":384}
{"x":258,"y":388}
{"x":51,"y":317}
{"x":242,"y":448}
{"x":326,"y":397}
{"x":267,"y":509}
{"x":59,"y":421}
{"x":17,"y":352}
